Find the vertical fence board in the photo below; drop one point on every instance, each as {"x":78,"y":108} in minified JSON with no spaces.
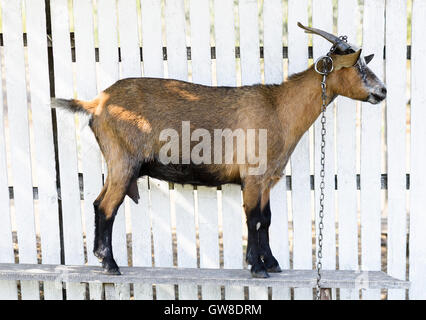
{"x":43,"y":140}
{"x":231,"y":194}
{"x":273,"y":41}
{"x":151,"y":38}
{"x":370,"y":143}
{"x":418,"y":154}
{"x":346,"y":160}
{"x":177,"y":63}
{"x":249,"y":42}
{"x":129,"y":38}
{"x":107,"y":74}
{"x":162,"y":233}
{"x":301,"y":188}
{"x":225,"y":43}
{"x":141,"y":237}
{"x":186,"y":238}
{"x":152,"y":67}
{"x":19,"y":139}
{"x":232,"y":236}
{"x":396,"y":41}
{"x":322,"y":18}
{"x":273,"y":61}
{"x":209,"y":237}
{"x":250,"y":74}
{"x":67,"y":148}
{"x":177,"y":66}
{"x":108,"y":43}
{"x":130,"y":67}
{"x":8,"y":289}
{"x":90,"y":153}
{"x":200,"y":42}
{"x":207,"y":197}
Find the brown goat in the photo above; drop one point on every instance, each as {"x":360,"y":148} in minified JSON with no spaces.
{"x":129,"y":117}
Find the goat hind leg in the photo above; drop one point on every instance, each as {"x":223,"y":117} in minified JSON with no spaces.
{"x":98,"y":215}
{"x":105,"y":213}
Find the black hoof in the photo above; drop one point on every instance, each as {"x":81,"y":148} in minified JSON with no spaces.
{"x":109,"y":266}
{"x":272,"y":264}
{"x":113,"y":272}
{"x":259,"y":272}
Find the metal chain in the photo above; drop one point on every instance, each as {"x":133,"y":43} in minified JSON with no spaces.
{"x":322,"y":184}
{"x":326,"y":68}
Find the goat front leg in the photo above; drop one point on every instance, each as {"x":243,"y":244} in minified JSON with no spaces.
{"x":258,"y":214}
{"x":269,"y":260}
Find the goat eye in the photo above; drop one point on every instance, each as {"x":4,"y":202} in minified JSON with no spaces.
{"x":368,"y":58}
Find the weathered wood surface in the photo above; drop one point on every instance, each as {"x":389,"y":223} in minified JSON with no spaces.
{"x":239,"y":277}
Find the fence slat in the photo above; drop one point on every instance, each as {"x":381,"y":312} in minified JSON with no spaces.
{"x":370,"y":201}
{"x":185,"y":234}
{"x":272,"y":41}
{"x":152,"y":49}
{"x":108,"y":43}
{"x":207,"y":212}
{"x":141,"y":237}
{"x":208,"y":225}
{"x":129,"y":38}
{"x":177,"y":64}
{"x":418,"y":154}
{"x":225,"y":43}
{"x":8,"y":289}
{"x":301,"y":188}
{"x":232,"y":235}
{"x":249,"y":42}
{"x":250,"y":74}
{"x":177,"y":67}
{"x":130,"y":67}
{"x":200,"y":42}
{"x":273,"y":62}
{"x":44,"y":157}
{"x":162,"y":233}
{"x":322,"y":18}
{"x":346,"y":159}
{"x":396,"y":41}
{"x":231,"y":194}
{"x":67,"y":148}
{"x":152,"y":67}
{"x":19,"y":139}
{"x":107,"y":74}
{"x":90,"y":153}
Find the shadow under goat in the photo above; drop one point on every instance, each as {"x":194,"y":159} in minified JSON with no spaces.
{"x":130,"y":119}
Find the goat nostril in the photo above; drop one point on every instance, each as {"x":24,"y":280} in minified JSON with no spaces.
{"x":384,"y":91}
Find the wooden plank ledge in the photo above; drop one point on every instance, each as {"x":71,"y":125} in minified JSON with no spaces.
{"x":237,"y":277}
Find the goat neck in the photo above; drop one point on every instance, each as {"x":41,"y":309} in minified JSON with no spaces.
{"x":299,"y":102}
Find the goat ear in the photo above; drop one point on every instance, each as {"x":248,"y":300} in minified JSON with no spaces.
{"x":368,"y":58}
{"x":346,"y":60}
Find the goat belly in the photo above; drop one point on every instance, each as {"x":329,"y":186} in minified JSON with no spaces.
{"x":199,"y":175}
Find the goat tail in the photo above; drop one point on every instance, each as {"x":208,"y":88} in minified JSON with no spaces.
{"x":74,"y":105}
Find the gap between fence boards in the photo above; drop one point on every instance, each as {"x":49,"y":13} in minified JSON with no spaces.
{"x":188,"y":50}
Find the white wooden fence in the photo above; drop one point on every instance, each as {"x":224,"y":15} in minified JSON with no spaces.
{"x":375,"y":181}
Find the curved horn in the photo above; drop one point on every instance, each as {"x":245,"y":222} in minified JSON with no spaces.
{"x":340,"y":44}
